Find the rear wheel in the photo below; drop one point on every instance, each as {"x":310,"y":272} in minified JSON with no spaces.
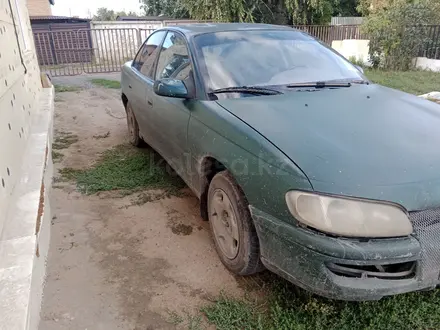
{"x":232,"y":227}
{"x":133,"y":127}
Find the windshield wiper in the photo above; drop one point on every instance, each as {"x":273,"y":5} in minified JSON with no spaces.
{"x":247,"y":89}
{"x":361,"y":82}
{"x":319,"y":84}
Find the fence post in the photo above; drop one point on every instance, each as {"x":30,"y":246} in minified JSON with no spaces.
{"x":139,"y":38}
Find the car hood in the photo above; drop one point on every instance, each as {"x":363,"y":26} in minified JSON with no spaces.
{"x":366,"y":140}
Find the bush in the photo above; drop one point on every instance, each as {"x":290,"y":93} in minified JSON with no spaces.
{"x":399,"y":31}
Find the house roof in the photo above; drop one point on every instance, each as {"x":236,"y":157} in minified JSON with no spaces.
{"x":58,"y":19}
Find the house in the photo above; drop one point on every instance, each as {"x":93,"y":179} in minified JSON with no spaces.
{"x":26,"y":109}
{"x":40,"y":7}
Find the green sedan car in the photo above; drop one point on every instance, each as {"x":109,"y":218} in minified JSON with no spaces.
{"x":302,"y":166}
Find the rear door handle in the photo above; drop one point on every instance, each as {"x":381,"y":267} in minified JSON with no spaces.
{"x":129,"y":86}
{"x":149,"y":102}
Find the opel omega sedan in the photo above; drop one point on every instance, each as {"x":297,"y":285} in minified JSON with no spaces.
{"x":302,"y":166}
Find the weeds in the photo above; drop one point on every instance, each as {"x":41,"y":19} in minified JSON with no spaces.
{"x":64,"y":140}
{"x":354,"y":60}
{"x":57,"y":156}
{"x":414,"y":82}
{"x":65,"y":88}
{"x":291,"y":308}
{"x":125,"y":168}
{"x":188,"y":321}
{"x":106,"y":83}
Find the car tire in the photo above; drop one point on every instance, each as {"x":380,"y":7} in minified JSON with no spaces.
{"x":232,"y":227}
{"x":133,"y":127}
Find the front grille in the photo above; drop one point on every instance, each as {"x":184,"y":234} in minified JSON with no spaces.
{"x":427,"y":228}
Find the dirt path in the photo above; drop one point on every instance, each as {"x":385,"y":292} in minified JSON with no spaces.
{"x":114,"y":265}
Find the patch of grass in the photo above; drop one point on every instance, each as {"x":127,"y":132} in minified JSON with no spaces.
{"x":414,"y":82}
{"x":291,"y":308}
{"x":65,"y":88}
{"x":125,"y":168}
{"x":174,"y":318}
{"x":56,"y":156}
{"x":188,"y":321}
{"x":63,"y":140}
{"x":354,"y":60}
{"x":106,"y":83}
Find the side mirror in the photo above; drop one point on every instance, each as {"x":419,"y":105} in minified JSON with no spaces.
{"x":359,"y":68}
{"x":170,"y":88}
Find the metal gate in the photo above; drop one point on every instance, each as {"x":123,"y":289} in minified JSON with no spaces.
{"x":66,"y":53}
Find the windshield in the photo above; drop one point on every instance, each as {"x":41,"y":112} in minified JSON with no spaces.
{"x":268,"y":57}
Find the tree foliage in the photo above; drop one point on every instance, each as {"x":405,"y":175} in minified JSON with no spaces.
{"x":398,"y":30}
{"x":262,"y":11}
{"x":105,"y":14}
{"x":168,"y":8}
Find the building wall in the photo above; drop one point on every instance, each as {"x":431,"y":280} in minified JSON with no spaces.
{"x":25,"y":170}
{"x":39,"y":8}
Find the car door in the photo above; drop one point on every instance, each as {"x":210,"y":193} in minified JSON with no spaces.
{"x":141,"y":84}
{"x":171,"y":115}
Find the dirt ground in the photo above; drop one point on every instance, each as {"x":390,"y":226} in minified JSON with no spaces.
{"x":114,"y":265}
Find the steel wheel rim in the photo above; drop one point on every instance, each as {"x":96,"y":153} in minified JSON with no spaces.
{"x":224,"y":224}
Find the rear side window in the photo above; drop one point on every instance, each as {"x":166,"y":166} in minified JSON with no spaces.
{"x":144,"y":60}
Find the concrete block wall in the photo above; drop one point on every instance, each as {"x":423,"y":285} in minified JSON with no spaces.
{"x":26,"y":110}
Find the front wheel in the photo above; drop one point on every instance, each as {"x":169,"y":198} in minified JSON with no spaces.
{"x":133,"y":127}
{"x":232,"y":227}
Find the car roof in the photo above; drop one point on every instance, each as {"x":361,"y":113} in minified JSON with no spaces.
{"x":201,"y":28}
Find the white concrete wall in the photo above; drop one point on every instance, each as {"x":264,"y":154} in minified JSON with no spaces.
{"x":360,"y":49}
{"x":353,"y":48}
{"x":425,"y":63}
{"x":25,"y":164}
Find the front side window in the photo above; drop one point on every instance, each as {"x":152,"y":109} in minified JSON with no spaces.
{"x":144,"y":60}
{"x":268,"y":57}
{"x":173,"y":60}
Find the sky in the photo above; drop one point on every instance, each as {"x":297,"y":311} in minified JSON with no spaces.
{"x":86,"y":8}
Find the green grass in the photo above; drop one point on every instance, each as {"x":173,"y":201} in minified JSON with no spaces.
{"x":414,"y":82}
{"x":291,"y":308}
{"x":106,"y":83}
{"x":125,"y":168}
{"x":63,"y":140}
{"x":57,"y":156}
{"x":65,"y":88}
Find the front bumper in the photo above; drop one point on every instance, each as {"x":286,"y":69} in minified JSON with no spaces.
{"x":306,"y":258}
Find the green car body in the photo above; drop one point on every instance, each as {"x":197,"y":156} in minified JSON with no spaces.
{"x":365,"y":142}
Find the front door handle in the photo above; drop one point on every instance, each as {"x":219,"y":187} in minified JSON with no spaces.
{"x":149,"y":102}
{"x":129,"y":86}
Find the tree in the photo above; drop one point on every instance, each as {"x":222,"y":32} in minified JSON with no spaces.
{"x":398,"y":30}
{"x":104,"y":14}
{"x":346,"y":8}
{"x":267,"y":11}
{"x":168,"y":8}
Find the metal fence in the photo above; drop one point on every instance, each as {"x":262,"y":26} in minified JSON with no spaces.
{"x":431,"y":49}
{"x":63,"y":53}
{"x":329,"y":33}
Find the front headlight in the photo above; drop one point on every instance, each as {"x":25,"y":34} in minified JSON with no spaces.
{"x":348,"y":217}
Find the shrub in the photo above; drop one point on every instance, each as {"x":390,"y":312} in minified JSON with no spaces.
{"x":399,"y":30}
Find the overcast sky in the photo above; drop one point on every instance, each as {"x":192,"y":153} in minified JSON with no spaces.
{"x":86,"y":8}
